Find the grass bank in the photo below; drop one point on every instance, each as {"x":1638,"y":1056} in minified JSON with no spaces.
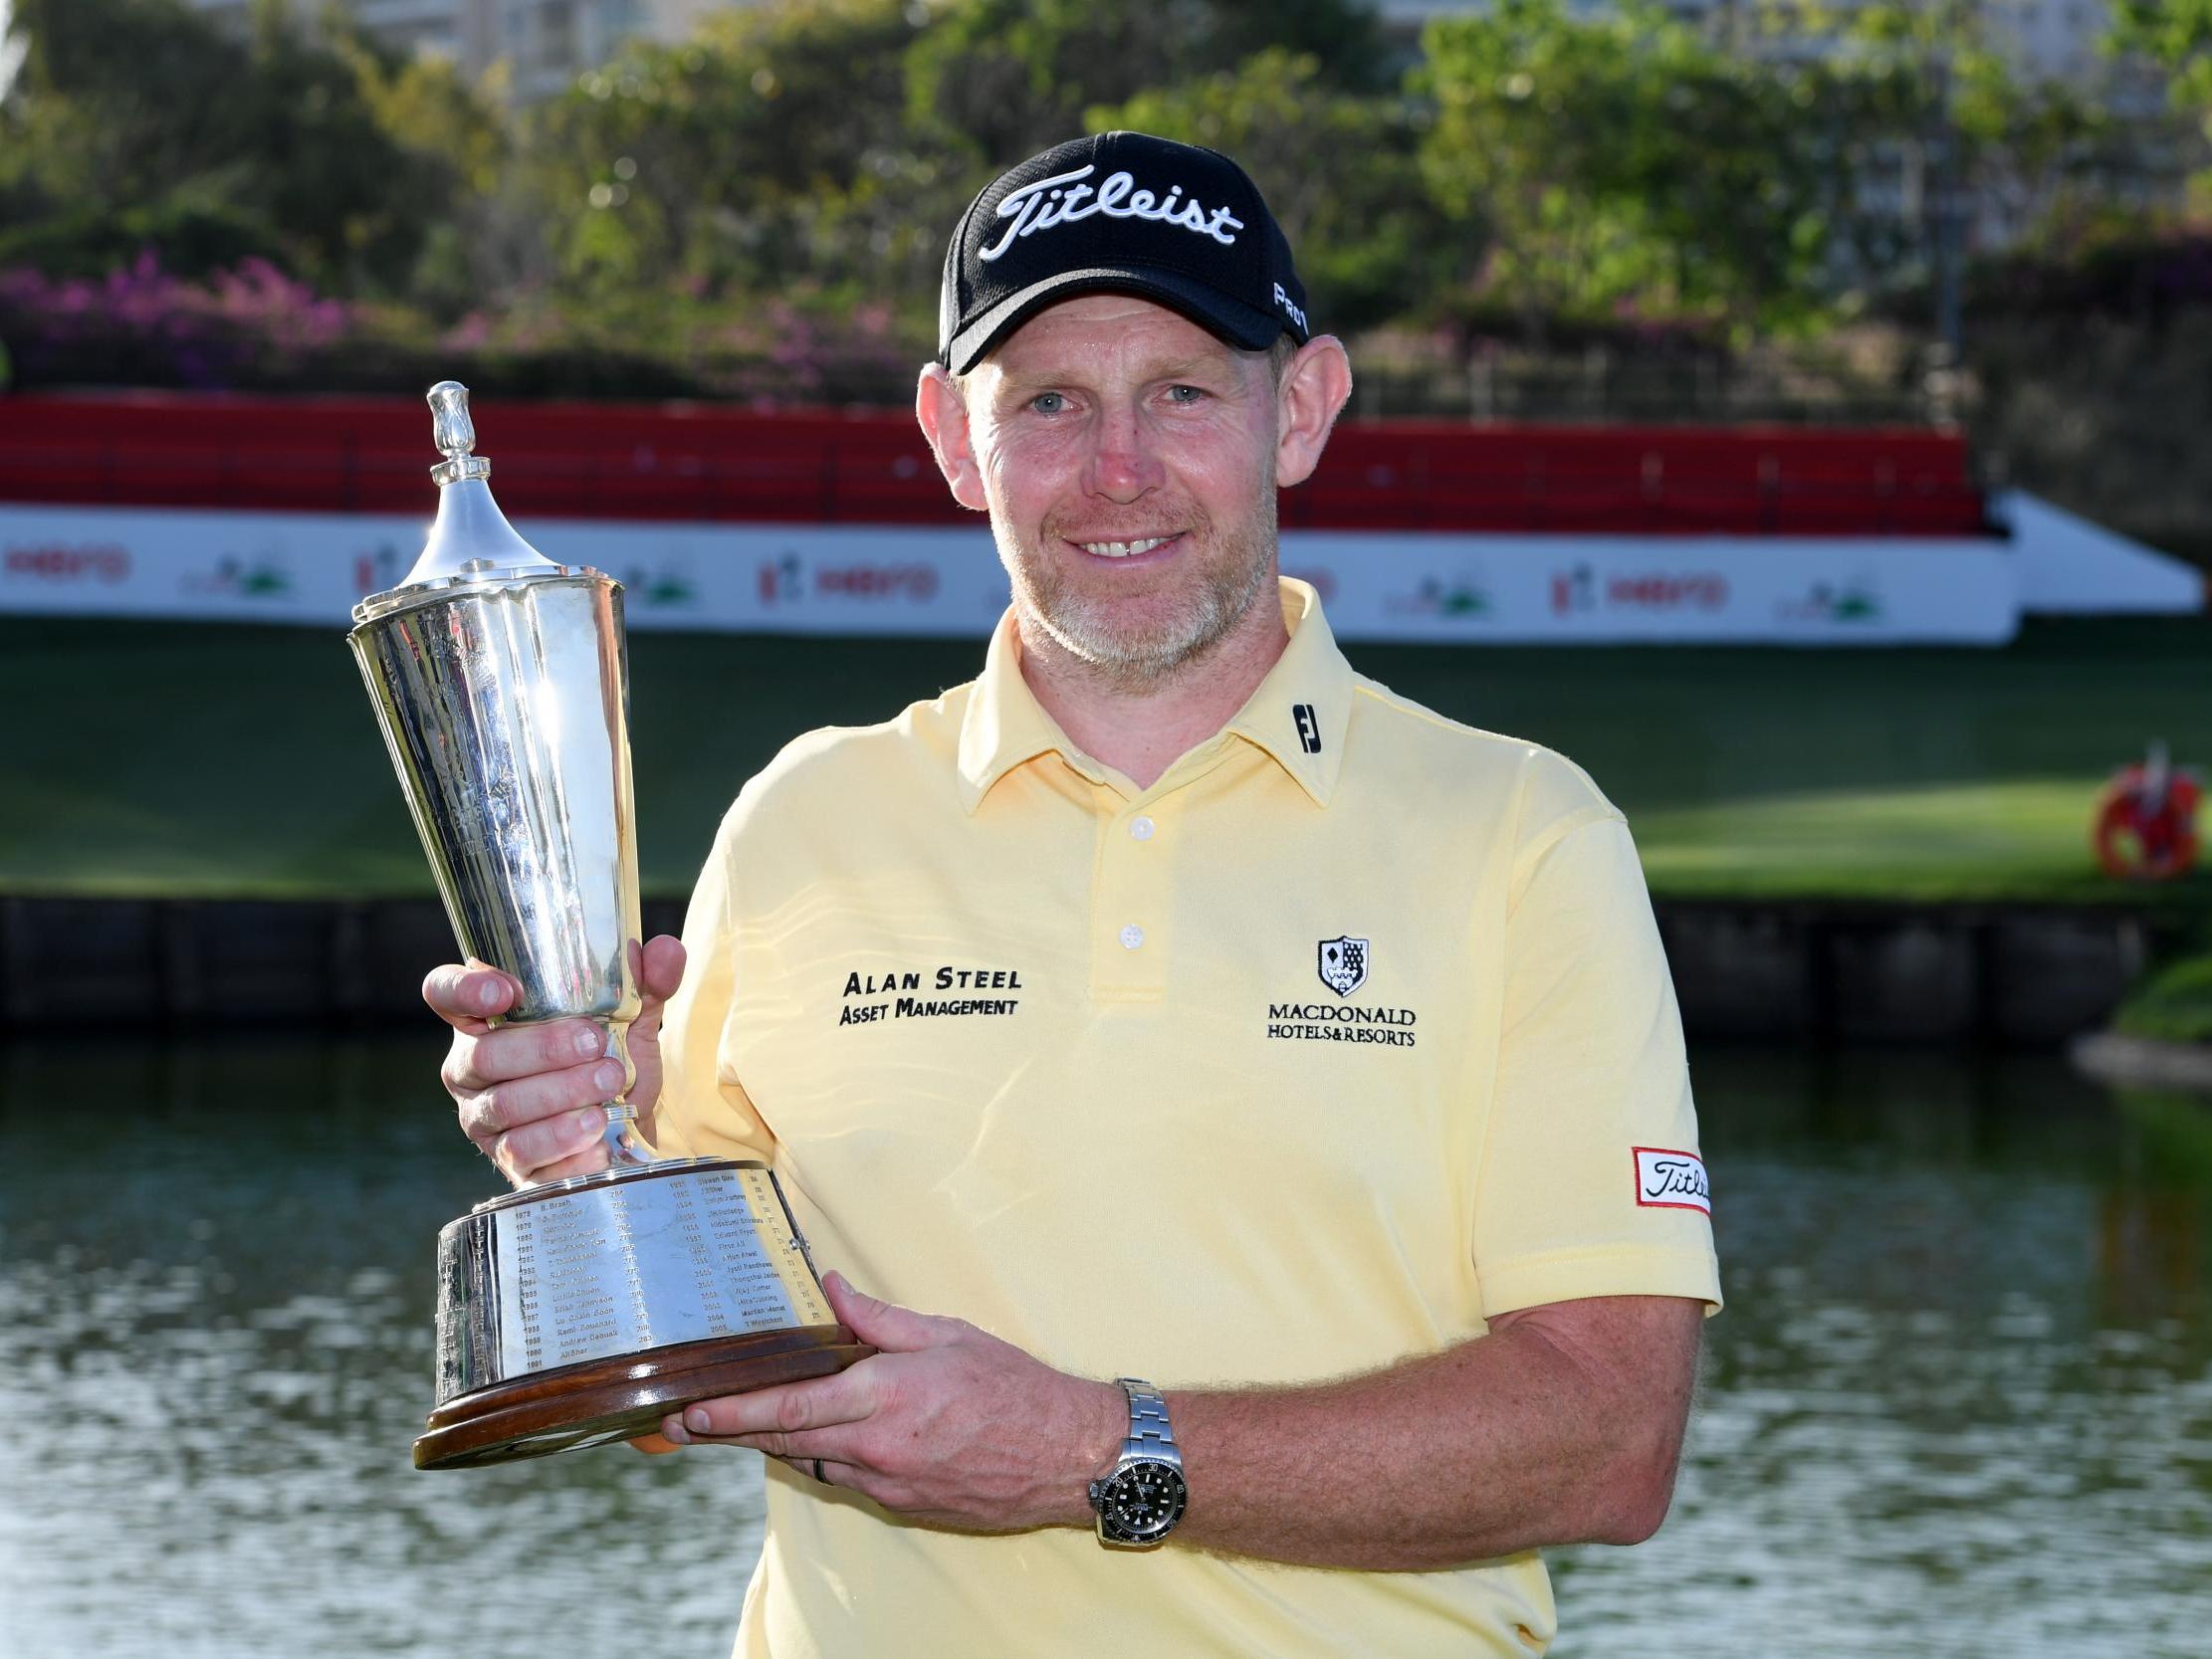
{"x":157,"y":759}
{"x":2175,"y":1006}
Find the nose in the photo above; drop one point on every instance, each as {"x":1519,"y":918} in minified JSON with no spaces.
{"x":1123,"y":464}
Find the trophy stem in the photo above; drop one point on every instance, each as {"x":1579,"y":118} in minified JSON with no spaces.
{"x":625,"y":1149}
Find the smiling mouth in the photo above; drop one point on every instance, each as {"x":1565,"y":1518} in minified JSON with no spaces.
{"x":1126,"y":550}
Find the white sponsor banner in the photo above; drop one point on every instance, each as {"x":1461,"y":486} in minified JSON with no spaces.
{"x":1590,"y":590}
{"x":313,"y":567}
{"x":2070,"y":566}
{"x":310,"y":569}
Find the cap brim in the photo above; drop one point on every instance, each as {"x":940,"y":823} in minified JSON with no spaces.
{"x":1230,"y":319}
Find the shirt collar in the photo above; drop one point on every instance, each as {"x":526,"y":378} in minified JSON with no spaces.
{"x":1301,"y":711}
{"x":1005,"y":725}
{"x":1298,"y":715}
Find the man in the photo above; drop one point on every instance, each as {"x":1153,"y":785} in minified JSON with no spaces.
{"x":1168,"y":1003}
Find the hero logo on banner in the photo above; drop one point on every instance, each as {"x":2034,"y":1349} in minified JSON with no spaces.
{"x":380,"y":569}
{"x":789,"y":580}
{"x":1671,"y":1180}
{"x":56,"y":562}
{"x":1583,"y":588}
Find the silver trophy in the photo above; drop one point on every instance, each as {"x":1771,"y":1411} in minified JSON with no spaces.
{"x":576,"y":1311}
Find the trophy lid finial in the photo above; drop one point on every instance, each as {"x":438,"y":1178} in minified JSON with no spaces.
{"x":471,"y":541}
{"x":455,"y":434}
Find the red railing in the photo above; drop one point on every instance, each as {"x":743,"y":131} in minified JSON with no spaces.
{"x":688,"y":462}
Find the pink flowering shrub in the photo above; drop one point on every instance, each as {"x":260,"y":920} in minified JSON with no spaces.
{"x":252,"y":326}
{"x":138,"y":325}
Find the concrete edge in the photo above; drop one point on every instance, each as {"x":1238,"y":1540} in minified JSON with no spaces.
{"x":2143,"y":1062}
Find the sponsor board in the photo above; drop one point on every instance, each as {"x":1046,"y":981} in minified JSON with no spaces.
{"x":946,"y":582}
{"x":313,"y":567}
{"x":1576,"y":590}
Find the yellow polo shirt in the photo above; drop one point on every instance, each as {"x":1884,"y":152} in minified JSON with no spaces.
{"x":1350,"y":1032}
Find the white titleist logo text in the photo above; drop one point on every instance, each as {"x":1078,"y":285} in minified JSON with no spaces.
{"x":1064,"y":198}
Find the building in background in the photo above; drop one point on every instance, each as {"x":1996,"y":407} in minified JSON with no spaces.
{"x":546,"y":44}
{"x":2043,"y":40}
{"x":2057,"y":44}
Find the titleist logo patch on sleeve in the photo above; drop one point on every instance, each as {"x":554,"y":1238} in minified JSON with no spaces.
{"x":1670,"y":1181}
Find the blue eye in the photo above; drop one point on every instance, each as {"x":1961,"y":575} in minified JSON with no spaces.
{"x":1048,"y":403}
{"x":1185,"y":394}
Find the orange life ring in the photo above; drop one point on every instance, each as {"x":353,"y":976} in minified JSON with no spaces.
{"x":2145,"y":833}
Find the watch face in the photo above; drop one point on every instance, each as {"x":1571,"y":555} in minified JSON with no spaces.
{"x":1142,"y":1500}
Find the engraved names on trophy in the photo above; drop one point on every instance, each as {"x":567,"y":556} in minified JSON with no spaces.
{"x":643,"y":1264}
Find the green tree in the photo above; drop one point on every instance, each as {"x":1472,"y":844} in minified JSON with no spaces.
{"x":482,"y":233}
{"x":1947,"y":140}
{"x":1627,"y":160}
{"x":768,"y":152}
{"x":2176,"y":35}
{"x":135,"y":121}
{"x":1339,"y":169}
{"x":1004,"y":78}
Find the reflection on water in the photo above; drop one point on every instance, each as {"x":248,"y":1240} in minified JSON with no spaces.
{"x":215,"y":1322}
{"x":1960,"y":1405}
{"x":1961,"y":1400}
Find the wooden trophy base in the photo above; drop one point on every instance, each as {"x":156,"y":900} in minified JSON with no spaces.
{"x":621,"y":1398}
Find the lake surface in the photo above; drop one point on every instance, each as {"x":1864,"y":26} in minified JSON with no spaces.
{"x":1960,"y":1402}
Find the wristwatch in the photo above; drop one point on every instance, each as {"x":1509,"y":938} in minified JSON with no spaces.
{"x":1138,"y":1503}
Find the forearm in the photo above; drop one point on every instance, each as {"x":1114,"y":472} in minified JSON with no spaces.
{"x":1527,"y":1437}
{"x":1562,"y":1425}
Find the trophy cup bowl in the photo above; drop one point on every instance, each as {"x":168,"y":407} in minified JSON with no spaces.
{"x":578,"y":1310}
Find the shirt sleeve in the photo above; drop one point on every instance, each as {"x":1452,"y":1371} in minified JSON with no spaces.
{"x":1590,"y":1180}
{"x":702,"y":1110}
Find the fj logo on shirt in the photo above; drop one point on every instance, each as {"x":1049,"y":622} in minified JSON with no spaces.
{"x":1671,"y":1180}
{"x":1343,"y":964}
{"x":1309,"y":729}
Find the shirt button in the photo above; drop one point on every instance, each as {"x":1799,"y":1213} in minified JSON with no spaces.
{"x":1132,"y":936}
{"x":1140,"y":828}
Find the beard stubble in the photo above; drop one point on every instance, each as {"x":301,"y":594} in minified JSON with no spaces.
{"x":1137,"y":653}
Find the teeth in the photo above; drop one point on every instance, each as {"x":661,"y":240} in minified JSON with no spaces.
{"x":1122,"y":549}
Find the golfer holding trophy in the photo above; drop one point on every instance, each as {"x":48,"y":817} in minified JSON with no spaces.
{"x":1169,"y":1003}
{"x":580,"y":1308}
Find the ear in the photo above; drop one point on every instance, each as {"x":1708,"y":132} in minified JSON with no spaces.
{"x":1315,"y":384}
{"x":943,"y":413}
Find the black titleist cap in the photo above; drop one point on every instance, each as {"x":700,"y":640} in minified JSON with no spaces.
{"x":1120,"y":213}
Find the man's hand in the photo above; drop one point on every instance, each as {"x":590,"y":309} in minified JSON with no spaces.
{"x":530,"y":1096}
{"x":1562,"y":1425}
{"x":947,"y":1423}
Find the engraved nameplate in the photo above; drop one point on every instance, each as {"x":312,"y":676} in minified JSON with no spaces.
{"x":643,"y":1264}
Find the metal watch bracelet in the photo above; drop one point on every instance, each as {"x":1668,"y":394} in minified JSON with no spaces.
{"x":1148,"y":1433}
{"x":1151,"y":1444}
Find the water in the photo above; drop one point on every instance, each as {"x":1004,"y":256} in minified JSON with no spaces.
{"x":1960,"y":1403}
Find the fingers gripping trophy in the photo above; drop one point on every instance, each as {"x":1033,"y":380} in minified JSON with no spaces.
{"x":575,"y":1311}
